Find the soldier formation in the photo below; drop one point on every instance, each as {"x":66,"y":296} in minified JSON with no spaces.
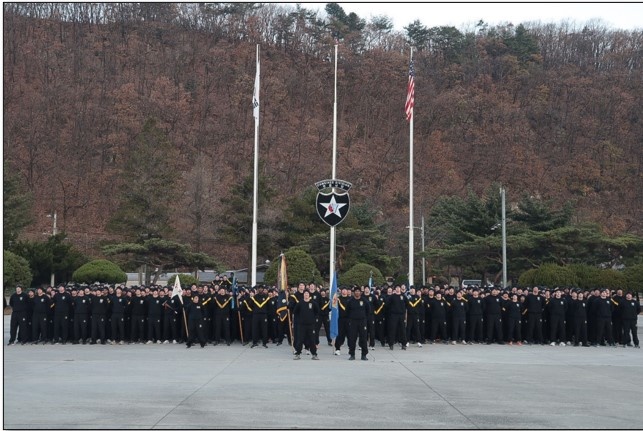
{"x":220,"y":313}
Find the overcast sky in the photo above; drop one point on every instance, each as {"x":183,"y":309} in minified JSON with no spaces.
{"x":622,"y":15}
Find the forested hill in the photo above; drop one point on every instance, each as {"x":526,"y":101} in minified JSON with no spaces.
{"x":549,"y":110}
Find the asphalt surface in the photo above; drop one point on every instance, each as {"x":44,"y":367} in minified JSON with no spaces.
{"x":436,"y":386}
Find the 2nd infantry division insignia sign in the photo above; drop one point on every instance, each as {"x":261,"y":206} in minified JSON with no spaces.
{"x":333,"y":206}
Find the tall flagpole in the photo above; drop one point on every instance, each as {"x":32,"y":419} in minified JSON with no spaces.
{"x":332,"y":229}
{"x":255,"y":195}
{"x":411,"y":225}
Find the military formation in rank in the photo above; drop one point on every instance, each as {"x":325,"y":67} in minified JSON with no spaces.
{"x":219,"y":313}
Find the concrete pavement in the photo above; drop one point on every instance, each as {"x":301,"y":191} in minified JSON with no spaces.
{"x":436,"y":386}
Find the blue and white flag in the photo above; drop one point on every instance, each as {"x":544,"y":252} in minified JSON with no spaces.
{"x":334,"y":311}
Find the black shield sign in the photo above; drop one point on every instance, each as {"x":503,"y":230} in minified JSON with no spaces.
{"x":332,"y":207}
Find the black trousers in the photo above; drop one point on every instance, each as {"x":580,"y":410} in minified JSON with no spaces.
{"x":61,"y":327}
{"x":18,"y":326}
{"x":413,"y":328}
{"x":617,"y":329}
{"x":247,"y":327}
{"x":357,"y":329}
{"x":170,"y":329}
{"x":260,"y":327}
{"x":457,"y":329}
{"x":629,"y":325}
{"x":306,"y":337}
{"x":154,"y":328}
{"x":342,"y":332}
{"x":138,"y":329}
{"x":118,"y":327}
{"x":494,"y":325}
{"x":557,"y":328}
{"x":81,"y":327}
{"x":395,"y":327}
{"x":534,"y":328}
{"x":604,"y":327}
{"x":580,"y":331}
{"x":221,"y":326}
{"x":370,"y":330}
{"x":380,"y":324}
{"x":282,"y":328}
{"x":39,"y":323}
{"x":197,"y":331}
{"x":99,"y":323}
{"x":514,"y":329}
{"x":440,"y":325}
{"x":474,"y":328}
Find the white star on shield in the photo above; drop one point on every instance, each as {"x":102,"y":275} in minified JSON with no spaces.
{"x":332,"y":207}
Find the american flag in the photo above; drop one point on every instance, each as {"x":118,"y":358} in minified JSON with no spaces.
{"x":410,"y":95}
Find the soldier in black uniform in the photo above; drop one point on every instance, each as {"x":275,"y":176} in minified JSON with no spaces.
{"x":221,"y":306}
{"x":18,"y":325}
{"x":315,"y":296}
{"x":99,"y":305}
{"x":414,"y":304}
{"x":260,"y":317}
{"x":579,"y":319}
{"x":246,"y":307}
{"x":458,"y":307}
{"x":305,"y":312}
{"x":557,"y":308}
{"x":534,"y":305}
{"x":438,"y":310}
{"x":82,"y":308}
{"x":282,"y":321}
{"x":617,"y":317}
{"x":474,"y":317}
{"x":357,"y":311}
{"x":154,"y":317}
{"x":194,"y":312}
{"x":370,"y":321}
{"x":603,"y":314}
{"x":171,"y":318}
{"x":630,"y":309}
{"x":272,"y":315}
{"x":492,"y":308}
{"x":62,"y":305}
{"x":137,"y":306}
{"x":513,"y":310}
{"x":41,"y":306}
{"x":379,"y":314}
{"x":119,"y":304}
{"x":396,"y":306}
{"x":342,"y":321}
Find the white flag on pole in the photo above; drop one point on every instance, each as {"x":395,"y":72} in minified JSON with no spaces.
{"x":255,"y":95}
{"x":177,"y":291}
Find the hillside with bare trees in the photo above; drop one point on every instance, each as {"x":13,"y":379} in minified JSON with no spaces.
{"x":547,"y":110}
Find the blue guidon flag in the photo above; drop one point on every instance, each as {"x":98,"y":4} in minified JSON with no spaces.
{"x":333,"y":207}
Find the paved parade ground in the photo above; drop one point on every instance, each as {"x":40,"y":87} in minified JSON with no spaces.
{"x":436,"y":386}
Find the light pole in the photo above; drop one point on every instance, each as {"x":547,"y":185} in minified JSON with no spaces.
{"x":504,"y":240}
{"x":54,"y":232}
{"x":423,"y":258}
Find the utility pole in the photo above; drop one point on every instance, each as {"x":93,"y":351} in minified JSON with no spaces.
{"x":54,"y":232}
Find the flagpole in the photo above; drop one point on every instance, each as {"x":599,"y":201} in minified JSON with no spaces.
{"x":334,"y":171}
{"x":411,"y":225}
{"x":255,"y":197}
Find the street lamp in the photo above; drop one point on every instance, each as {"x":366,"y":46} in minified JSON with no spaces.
{"x":54,"y":232}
